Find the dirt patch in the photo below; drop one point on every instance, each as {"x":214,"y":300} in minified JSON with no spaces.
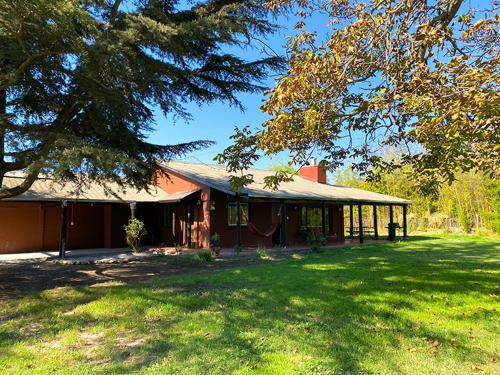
{"x":18,"y":280}
{"x":124,"y":342}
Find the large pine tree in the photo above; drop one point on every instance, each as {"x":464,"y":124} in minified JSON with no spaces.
{"x":79,"y":80}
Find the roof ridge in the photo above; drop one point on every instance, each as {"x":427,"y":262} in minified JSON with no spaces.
{"x":217,"y":166}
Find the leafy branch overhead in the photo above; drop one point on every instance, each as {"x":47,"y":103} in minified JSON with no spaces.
{"x":408,"y":74}
{"x":79,"y":80}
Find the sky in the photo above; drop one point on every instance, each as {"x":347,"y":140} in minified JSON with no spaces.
{"x":216,"y":121}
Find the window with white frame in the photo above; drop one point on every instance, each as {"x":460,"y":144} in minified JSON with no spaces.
{"x":231,"y":213}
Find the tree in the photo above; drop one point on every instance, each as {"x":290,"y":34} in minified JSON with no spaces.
{"x":79,"y":81}
{"x":390,"y":73}
{"x":470,"y":202}
{"x":285,"y":168}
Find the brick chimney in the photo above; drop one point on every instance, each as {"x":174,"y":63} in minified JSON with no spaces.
{"x":313,"y":172}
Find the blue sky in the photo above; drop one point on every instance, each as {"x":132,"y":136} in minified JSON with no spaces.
{"x":216,"y":121}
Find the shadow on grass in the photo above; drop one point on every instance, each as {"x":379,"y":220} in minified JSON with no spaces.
{"x":323,"y":311}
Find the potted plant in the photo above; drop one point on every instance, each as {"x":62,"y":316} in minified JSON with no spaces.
{"x":215,"y":245}
{"x":315,"y":240}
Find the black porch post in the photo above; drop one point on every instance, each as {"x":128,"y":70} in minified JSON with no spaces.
{"x":351,"y":222}
{"x":405,"y":225}
{"x":323,"y":218}
{"x":283,"y":224}
{"x":188,"y":225}
{"x":360,"y":219}
{"x":375,"y":223}
{"x":238,"y":221}
{"x":63,"y":229}
{"x":391,"y":223}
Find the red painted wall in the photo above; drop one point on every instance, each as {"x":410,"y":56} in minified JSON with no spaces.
{"x":173,"y":182}
{"x":120,"y":215}
{"x":52,"y":226}
{"x":294,"y":235}
{"x":85,"y":226}
{"x":260,"y":214}
{"x":33,"y":226}
{"x":336,"y":213}
{"x":23,"y":228}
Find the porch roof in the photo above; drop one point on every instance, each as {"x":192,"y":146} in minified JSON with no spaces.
{"x":217,"y":177}
{"x":48,"y":189}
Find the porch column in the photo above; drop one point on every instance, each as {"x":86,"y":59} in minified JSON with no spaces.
{"x":188,"y":224}
{"x":375,"y":222}
{"x":63,"y":229}
{"x":391,"y":222}
{"x":283,"y":224}
{"x":133,"y":206}
{"x":405,"y":226}
{"x":360,"y":219}
{"x":108,"y":226}
{"x":238,"y":221}
{"x":351,"y":222}
{"x":323,"y":218}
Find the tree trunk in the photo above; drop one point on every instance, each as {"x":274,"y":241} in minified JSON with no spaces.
{"x":3,"y":111}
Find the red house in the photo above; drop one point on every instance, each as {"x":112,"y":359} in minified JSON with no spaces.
{"x":189,"y":203}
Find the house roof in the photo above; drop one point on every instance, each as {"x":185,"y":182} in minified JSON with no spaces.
{"x":48,"y":189}
{"x":216,"y":177}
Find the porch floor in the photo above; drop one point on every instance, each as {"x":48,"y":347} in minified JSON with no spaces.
{"x":125,"y":253}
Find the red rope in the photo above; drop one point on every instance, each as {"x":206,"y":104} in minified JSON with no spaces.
{"x":252,"y":228}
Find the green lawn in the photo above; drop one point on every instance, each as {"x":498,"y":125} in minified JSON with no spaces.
{"x":419,"y":307}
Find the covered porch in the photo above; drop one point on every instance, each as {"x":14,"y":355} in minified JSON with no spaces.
{"x":291,"y":221}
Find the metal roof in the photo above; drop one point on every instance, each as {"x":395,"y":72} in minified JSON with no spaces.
{"x":47,"y":189}
{"x":217,"y":177}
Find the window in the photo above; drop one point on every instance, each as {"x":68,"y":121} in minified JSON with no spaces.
{"x":311,"y":217}
{"x":231,"y":213}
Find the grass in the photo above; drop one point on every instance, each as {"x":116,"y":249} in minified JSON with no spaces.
{"x":419,"y":307}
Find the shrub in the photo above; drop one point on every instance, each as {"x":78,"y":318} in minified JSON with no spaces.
{"x":262,"y":251}
{"x":464,"y":220}
{"x":215,"y":245}
{"x":204,"y":256}
{"x":315,"y":240}
{"x":134,"y":230}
